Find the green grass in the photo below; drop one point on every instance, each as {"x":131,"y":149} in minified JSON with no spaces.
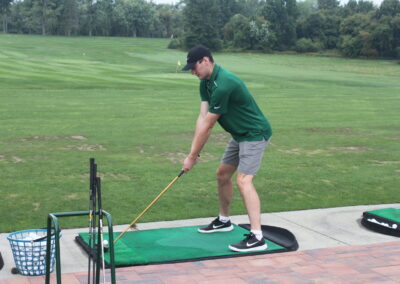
{"x":120,"y":100}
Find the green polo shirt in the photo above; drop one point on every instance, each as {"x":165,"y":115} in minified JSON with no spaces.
{"x":240,"y":116}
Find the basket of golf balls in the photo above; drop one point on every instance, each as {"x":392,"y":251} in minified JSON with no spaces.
{"x":29,"y":251}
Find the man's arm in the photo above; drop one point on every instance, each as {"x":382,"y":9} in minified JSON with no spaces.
{"x":204,"y":124}
{"x":202,"y":114}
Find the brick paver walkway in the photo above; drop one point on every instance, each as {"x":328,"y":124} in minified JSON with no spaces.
{"x":376,"y":263}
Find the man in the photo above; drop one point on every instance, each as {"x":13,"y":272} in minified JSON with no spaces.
{"x":225,"y":98}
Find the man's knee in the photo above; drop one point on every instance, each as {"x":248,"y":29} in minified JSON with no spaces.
{"x":244,"y":181}
{"x":224,"y":172}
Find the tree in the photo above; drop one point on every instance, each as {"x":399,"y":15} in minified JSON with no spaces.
{"x":353,"y":7}
{"x":201,"y":24}
{"x":382,"y":37}
{"x":248,"y":34}
{"x":387,"y":33}
{"x":86,"y":17}
{"x":227,"y":8}
{"x":250,"y":8}
{"x":307,"y":45}
{"x":306,"y":8}
{"x":45,"y":14}
{"x":165,"y":16}
{"x":322,"y":27}
{"x":357,"y":35}
{"x":170,"y":19}
{"x":237,"y":32}
{"x":69,"y":17}
{"x":261,"y":37}
{"x":395,"y":24}
{"x":29,"y":22}
{"x":327,"y":4}
{"x":102,"y":17}
{"x":138,"y":14}
{"x":4,"y":13}
{"x":282,"y":15}
{"x":390,"y":8}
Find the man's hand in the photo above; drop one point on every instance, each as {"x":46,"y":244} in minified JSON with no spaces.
{"x":189,"y":162}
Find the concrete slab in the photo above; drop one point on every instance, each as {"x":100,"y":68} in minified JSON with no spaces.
{"x":314,"y":229}
{"x":322,"y":228}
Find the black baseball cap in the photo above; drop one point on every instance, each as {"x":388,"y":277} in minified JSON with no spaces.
{"x":195,"y":54}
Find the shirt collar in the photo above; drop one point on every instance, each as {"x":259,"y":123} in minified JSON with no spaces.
{"x":215,"y":73}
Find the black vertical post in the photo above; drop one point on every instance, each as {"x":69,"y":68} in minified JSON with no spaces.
{"x":92,"y":217}
{"x":94,"y":224}
{"x":99,"y":241}
{"x":100,"y":245}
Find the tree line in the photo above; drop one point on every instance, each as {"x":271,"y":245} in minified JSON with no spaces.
{"x":355,"y":29}
{"x":132,"y":18}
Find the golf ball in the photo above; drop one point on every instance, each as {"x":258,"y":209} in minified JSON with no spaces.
{"x":105,"y":243}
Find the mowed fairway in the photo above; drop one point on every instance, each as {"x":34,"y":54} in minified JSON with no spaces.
{"x":64,"y":100}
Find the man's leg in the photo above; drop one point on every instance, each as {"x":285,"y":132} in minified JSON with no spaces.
{"x":225,"y":192}
{"x":224,"y":174}
{"x":225,"y":188}
{"x":251,"y":199}
{"x":250,"y":155}
{"x":253,"y":241}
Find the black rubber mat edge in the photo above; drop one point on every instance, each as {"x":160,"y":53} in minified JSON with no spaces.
{"x":278,"y":235}
{"x":378,"y":227}
{"x":1,"y":261}
{"x":91,"y":252}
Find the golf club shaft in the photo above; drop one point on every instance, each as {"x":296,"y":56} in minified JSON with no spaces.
{"x":42,"y":238}
{"x":150,"y":205}
{"x":91,"y":193}
{"x":94,"y":227}
{"x":100,"y":230}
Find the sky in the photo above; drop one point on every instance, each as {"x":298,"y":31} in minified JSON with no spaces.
{"x":376,"y":2}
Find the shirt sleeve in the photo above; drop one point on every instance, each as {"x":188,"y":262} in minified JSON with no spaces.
{"x":203,"y":92}
{"x":219,"y":101}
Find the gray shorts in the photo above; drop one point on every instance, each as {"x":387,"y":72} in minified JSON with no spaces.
{"x":245,"y":156}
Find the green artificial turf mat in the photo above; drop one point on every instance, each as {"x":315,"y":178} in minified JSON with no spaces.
{"x":176,"y":244}
{"x":387,"y":213}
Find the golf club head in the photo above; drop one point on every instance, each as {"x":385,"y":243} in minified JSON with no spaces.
{"x":133,"y":227}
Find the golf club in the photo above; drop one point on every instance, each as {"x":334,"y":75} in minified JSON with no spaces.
{"x":42,"y":238}
{"x":150,"y":205}
{"x":100,"y":243}
{"x":92,"y":207}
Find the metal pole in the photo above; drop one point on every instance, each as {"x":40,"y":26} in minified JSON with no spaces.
{"x":54,"y":217}
{"x":91,"y":184}
{"x":111,"y":243}
{"x":48,"y":243}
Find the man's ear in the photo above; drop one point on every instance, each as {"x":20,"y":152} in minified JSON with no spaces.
{"x":206,"y":59}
